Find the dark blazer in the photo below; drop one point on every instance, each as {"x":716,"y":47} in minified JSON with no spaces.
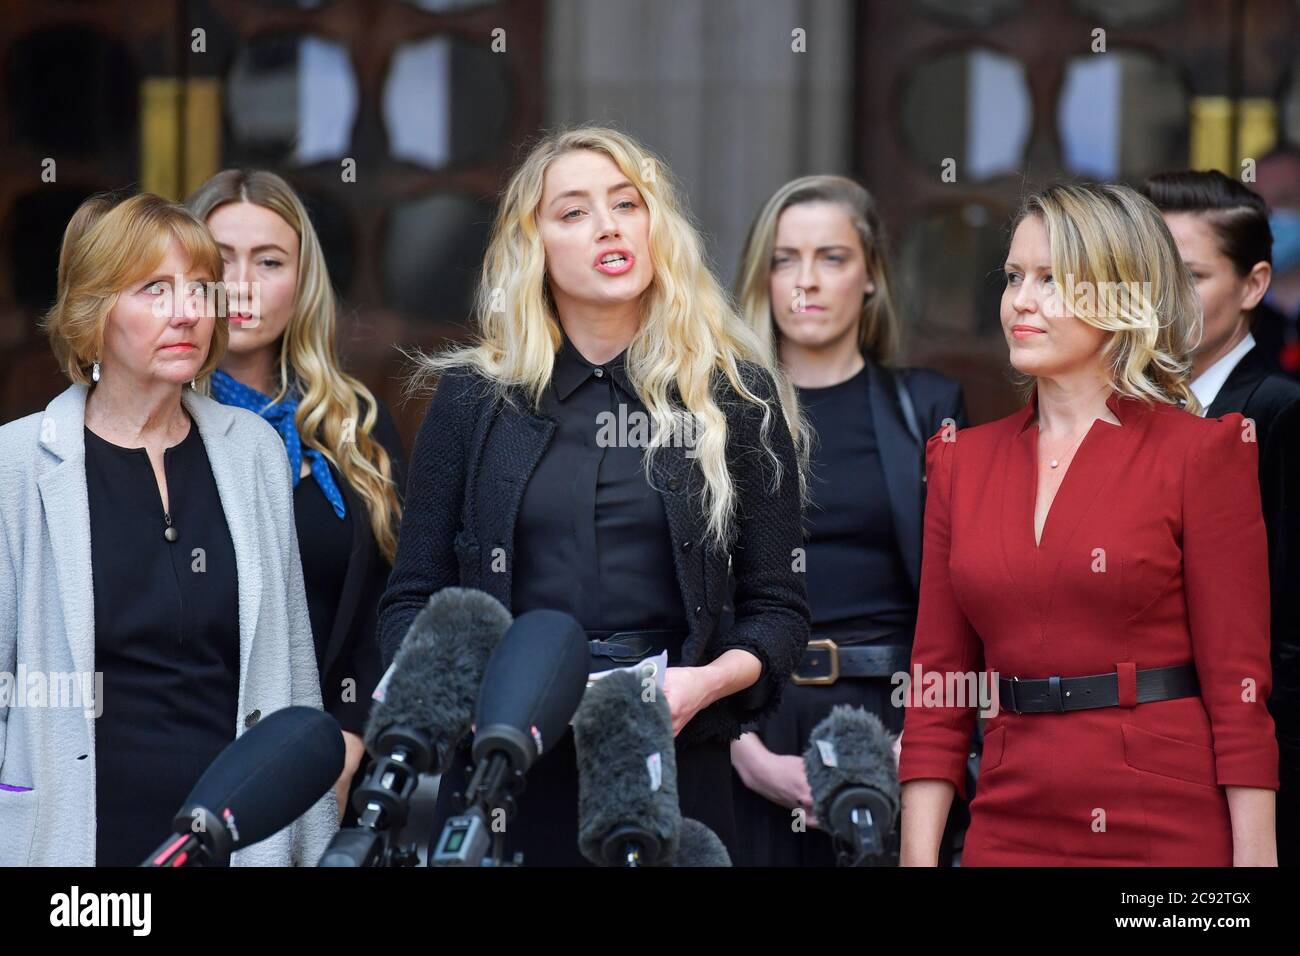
{"x":1274,"y":333}
{"x":935,"y":398}
{"x":474,"y":455}
{"x":352,"y":650}
{"x":1256,"y":390}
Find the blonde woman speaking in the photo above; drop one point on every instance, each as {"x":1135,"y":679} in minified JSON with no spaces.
{"x":594,"y":308}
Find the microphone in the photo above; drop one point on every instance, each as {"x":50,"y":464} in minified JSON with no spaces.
{"x":628,"y":812}
{"x":260,"y":783}
{"x":531,"y":687}
{"x":427,"y":704}
{"x":854,"y":782}
{"x":700,"y":846}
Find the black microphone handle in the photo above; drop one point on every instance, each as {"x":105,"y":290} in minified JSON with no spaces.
{"x":177,"y":851}
{"x":383,"y":801}
{"x":859,"y":817}
{"x":492,"y":786}
{"x":631,"y":846}
{"x":495,"y":783}
{"x":199,"y":839}
{"x":632,"y":854}
{"x":355,"y":847}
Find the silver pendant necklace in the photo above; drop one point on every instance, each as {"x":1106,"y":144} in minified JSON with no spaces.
{"x":171,"y":534}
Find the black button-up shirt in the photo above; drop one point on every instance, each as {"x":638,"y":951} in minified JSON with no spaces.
{"x":592,"y":538}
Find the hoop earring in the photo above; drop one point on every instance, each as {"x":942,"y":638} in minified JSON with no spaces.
{"x":94,"y":372}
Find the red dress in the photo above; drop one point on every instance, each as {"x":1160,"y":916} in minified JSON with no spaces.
{"x":1154,"y":553}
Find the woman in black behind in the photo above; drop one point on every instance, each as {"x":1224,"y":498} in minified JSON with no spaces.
{"x":346,"y":456}
{"x":1223,"y":235}
{"x":815,"y":285}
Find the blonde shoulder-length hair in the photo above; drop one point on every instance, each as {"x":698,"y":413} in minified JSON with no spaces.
{"x":108,"y":244}
{"x":879,"y":331}
{"x":1119,"y":270}
{"x":330,"y":418}
{"x":689,"y":341}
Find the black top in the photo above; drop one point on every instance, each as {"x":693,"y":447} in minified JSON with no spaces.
{"x":855,"y":571}
{"x":591,"y":537}
{"x":325,"y":547}
{"x":345,"y":573}
{"x":472,"y":460}
{"x":166,"y":638}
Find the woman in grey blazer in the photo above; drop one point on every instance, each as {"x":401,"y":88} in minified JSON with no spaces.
{"x":151,"y":596}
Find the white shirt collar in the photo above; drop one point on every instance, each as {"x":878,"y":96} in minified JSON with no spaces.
{"x":1207,"y":385}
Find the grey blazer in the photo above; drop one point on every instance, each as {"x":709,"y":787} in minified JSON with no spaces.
{"x":47,"y":623}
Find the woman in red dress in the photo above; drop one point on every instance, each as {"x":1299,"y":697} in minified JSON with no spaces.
{"x":1100,"y":555}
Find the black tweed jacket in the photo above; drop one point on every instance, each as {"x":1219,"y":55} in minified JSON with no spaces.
{"x":472,"y":458}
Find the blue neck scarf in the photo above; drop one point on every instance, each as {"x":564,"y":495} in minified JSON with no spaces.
{"x":281,"y":414}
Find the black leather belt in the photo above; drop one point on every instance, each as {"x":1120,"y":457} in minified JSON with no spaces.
{"x":632,"y":646}
{"x":1060,"y":694}
{"x":825,"y":661}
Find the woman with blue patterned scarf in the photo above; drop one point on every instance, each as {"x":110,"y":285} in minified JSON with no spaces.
{"x":345,"y":455}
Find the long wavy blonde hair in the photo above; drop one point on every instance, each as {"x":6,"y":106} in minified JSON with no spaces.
{"x":689,"y":341}
{"x":1113,"y":238}
{"x":331,"y":400}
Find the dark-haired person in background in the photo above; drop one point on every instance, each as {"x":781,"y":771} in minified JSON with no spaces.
{"x":1223,"y":235}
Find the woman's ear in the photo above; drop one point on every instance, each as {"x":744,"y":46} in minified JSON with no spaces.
{"x":1256,"y":285}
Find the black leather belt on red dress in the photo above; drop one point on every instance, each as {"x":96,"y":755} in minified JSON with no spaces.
{"x":1046,"y":695}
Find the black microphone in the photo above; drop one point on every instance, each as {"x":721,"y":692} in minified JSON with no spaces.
{"x":854,"y":782}
{"x":531,"y":688}
{"x":700,"y":846}
{"x":427,"y":705}
{"x":628,"y":812}
{"x":259,"y":784}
